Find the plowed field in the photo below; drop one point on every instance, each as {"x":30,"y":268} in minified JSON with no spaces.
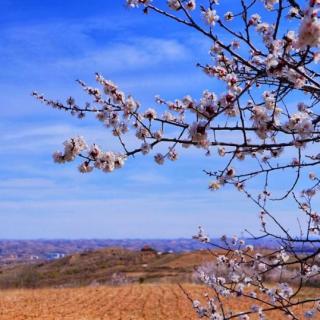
{"x":130,"y":302}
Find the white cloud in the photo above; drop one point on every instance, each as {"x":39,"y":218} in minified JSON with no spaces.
{"x":135,"y":54}
{"x":58,"y":37}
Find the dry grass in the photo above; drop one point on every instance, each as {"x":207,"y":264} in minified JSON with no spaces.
{"x":130,"y":302}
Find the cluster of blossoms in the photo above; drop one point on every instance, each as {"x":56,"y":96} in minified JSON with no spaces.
{"x":105,"y":161}
{"x":243,"y":273}
{"x":301,"y":123}
{"x":265,"y":105}
{"x":72,"y":148}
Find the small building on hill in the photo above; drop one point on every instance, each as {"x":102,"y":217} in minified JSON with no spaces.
{"x":147,"y":253}
{"x":148,"y":249}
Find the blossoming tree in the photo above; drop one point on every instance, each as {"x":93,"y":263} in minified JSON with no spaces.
{"x":267,"y":115}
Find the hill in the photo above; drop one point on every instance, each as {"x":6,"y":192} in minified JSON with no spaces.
{"x":105,"y":266}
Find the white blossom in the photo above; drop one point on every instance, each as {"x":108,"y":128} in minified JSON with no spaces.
{"x":309,"y":32}
{"x":174,"y":4}
{"x":159,"y":158}
{"x":210,"y":16}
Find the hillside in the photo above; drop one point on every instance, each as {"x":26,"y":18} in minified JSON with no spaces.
{"x":105,"y":266}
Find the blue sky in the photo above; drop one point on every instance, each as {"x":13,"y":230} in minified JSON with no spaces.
{"x":45,"y":46}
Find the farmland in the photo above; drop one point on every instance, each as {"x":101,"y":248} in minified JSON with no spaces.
{"x":125,"y":302}
{"x":112,"y":283}
{"x":128,"y":302}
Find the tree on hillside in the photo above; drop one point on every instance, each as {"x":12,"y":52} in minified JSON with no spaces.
{"x":264,"y":124}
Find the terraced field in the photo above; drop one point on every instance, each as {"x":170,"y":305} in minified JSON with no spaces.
{"x":130,"y":302}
